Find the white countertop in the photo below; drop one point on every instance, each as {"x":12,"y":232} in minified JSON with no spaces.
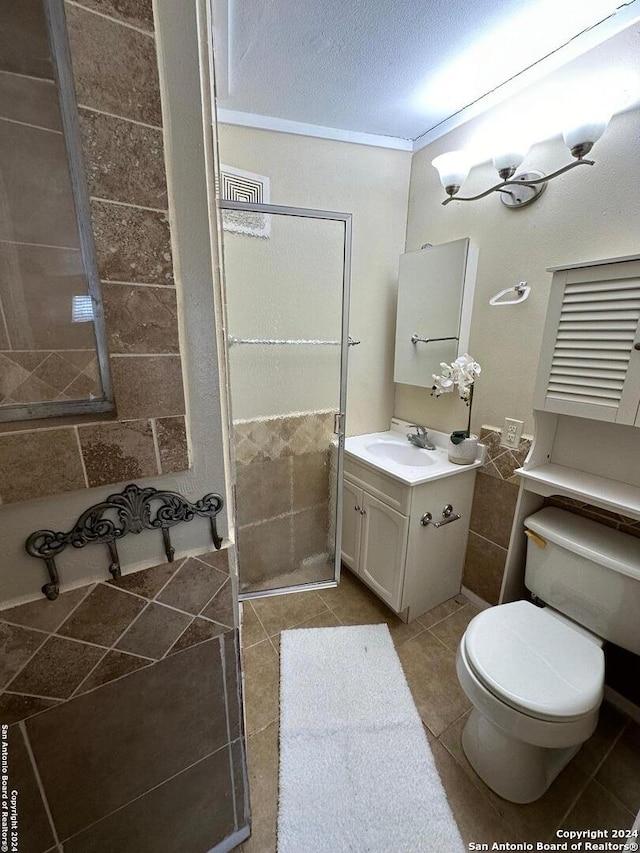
{"x":372,"y":449}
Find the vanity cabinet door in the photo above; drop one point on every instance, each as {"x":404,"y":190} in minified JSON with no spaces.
{"x":351,"y":525}
{"x":383,"y":548}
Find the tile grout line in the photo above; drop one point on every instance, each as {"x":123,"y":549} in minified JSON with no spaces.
{"x":292,"y":526}
{"x":444,"y":646}
{"x":82,"y":462}
{"x":302,"y":621}
{"x":122,"y":23}
{"x":75,"y":378}
{"x":262,"y":729}
{"x":33,"y":126}
{"x":6,"y":327}
{"x":288,"y":514}
{"x":144,"y":793}
{"x":223,"y":665}
{"x":156,"y":446}
{"x":129,"y":204}
{"x":592,"y":777}
{"x":113,"y":646}
{"x":200,"y":614}
{"x":490,"y":541}
{"x":47,"y":634}
{"x":169,"y":287}
{"x":90,"y":109}
{"x":255,"y":612}
{"x":38,"y":246}
{"x":36,"y":773}
{"x":472,"y":781}
{"x":147,"y":355}
{"x":437,"y":622}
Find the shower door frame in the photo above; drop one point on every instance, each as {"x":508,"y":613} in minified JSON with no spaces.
{"x":347,"y":220}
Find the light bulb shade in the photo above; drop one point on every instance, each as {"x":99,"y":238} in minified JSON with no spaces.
{"x":453,"y":168}
{"x":580,"y":135}
{"x":510,"y":156}
{"x":586,"y":118}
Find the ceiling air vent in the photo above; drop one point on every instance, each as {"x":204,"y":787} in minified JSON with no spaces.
{"x":238,"y":185}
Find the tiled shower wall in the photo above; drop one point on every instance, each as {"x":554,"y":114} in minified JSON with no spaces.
{"x":116,"y":77}
{"x":282,"y":492}
{"x":123,"y":705}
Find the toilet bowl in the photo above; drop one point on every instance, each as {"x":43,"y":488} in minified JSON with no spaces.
{"x":536,"y":685}
{"x":535,"y":675}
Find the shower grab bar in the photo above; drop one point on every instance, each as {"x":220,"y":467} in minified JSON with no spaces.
{"x":290,"y":341}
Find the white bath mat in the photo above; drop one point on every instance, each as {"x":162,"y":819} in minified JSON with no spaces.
{"x":356,"y":770}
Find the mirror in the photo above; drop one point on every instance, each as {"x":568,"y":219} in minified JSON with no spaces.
{"x":435,"y":298}
{"x":53,"y":354}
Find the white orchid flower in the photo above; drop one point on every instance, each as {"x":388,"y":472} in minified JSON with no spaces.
{"x":461,"y":373}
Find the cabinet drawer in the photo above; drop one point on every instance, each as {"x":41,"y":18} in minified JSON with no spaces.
{"x":386,"y":489}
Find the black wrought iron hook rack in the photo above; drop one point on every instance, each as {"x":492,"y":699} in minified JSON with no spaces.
{"x":136,"y":510}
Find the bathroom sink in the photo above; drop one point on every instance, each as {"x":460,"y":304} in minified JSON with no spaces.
{"x":402,"y":453}
{"x":390,"y":452}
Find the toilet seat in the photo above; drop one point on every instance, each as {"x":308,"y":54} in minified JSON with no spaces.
{"x":534,"y":663}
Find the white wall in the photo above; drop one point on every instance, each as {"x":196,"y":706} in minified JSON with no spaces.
{"x":21,"y":576}
{"x":590,"y":213}
{"x":372,"y":184}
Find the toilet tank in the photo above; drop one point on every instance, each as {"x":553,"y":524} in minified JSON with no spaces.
{"x":587,"y":571}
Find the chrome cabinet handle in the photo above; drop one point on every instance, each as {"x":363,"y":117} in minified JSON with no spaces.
{"x":357,"y":508}
{"x":637,"y":346}
{"x":363,"y":512}
{"x":447,"y":515}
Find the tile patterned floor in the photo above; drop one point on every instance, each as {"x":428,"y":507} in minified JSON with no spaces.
{"x":600,"y":788}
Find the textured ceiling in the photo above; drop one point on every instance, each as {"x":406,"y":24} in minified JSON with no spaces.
{"x":390,"y":67}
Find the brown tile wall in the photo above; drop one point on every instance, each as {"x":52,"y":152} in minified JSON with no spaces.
{"x":282,"y":493}
{"x":115,"y":69}
{"x":494,"y":503}
{"x":127,"y":695}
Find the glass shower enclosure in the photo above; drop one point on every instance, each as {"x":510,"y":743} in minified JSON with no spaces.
{"x":287,"y":276}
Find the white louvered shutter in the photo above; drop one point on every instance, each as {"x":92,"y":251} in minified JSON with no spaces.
{"x":589,"y":366}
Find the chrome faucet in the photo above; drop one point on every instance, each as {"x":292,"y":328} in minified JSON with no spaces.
{"x":420,"y":438}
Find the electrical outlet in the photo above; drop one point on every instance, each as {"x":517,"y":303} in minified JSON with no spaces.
{"x":511,"y":433}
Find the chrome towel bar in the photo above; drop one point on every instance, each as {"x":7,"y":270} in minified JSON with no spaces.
{"x":417,"y":339}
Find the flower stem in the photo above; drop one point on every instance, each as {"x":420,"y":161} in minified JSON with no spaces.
{"x":470,"y":404}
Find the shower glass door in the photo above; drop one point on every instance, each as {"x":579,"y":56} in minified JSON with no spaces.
{"x":286,"y":274}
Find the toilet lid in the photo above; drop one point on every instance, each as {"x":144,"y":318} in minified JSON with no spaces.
{"x":534,"y":662}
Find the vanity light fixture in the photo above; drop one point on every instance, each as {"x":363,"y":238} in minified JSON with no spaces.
{"x":580,"y":133}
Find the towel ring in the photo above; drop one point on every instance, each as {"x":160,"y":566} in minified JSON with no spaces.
{"x":522,"y":289}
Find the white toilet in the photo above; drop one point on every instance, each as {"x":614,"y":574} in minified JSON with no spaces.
{"x":535,"y":675}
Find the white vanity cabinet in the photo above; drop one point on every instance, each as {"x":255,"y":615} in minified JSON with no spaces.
{"x":374,"y":543}
{"x":412,"y":567}
{"x":590,"y":358}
